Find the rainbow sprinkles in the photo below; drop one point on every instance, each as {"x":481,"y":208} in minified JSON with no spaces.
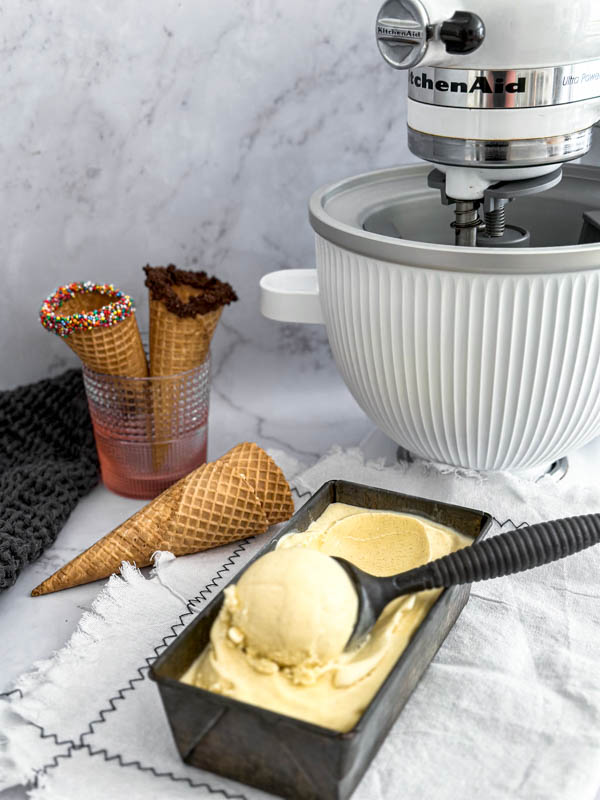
{"x":119,"y":307}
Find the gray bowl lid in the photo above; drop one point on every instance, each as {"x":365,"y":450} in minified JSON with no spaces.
{"x":339,"y":211}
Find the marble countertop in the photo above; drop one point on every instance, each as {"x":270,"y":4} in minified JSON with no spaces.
{"x":292,"y":401}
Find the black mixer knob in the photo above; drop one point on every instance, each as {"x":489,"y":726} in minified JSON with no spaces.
{"x":463,"y":32}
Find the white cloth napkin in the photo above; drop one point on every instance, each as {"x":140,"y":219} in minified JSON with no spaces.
{"x":509,"y":708}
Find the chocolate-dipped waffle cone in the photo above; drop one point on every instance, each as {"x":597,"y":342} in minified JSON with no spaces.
{"x":179,"y":343}
{"x":212,"y":506}
{"x":269,"y":482}
{"x":98,"y":323}
{"x":185,"y":308}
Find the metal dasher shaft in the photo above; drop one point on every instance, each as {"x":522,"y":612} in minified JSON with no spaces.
{"x":466,"y":223}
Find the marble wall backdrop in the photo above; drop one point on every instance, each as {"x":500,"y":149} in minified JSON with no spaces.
{"x":182,"y":131}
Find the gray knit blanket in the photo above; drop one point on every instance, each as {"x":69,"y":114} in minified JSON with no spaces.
{"x":48,"y":462}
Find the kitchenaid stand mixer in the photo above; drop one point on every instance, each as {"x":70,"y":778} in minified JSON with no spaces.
{"x":495,"y":99}
{"x":461,"y":298}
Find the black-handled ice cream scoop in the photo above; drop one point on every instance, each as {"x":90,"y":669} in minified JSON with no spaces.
{"x":505,"y":554}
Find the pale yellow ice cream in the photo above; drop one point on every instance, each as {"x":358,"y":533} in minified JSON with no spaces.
{"x":271,"y":617}
{"x":262,"y":661}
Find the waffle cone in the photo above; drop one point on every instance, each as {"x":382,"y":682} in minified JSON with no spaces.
{"x":217,"y":506}
{"x":114,"y":350}
{"x":177,"y":344}
{"x":212,"y":506}
{"x":269,"y":482}
{"x":135,"y":540}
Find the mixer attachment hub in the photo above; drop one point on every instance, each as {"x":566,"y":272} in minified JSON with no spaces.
{"x":493,"y":231}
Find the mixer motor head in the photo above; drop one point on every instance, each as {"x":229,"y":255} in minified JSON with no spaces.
{"x":496,"y":98}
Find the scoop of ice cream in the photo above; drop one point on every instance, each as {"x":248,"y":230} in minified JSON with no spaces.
{"x":336,"y":693}
{"x":294,"y":605}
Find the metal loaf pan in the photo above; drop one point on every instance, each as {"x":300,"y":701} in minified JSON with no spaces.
{"x":280,"y":754}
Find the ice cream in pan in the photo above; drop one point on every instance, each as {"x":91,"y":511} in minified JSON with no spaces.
{"x":278,"y":642}
{"x":288,"y":637}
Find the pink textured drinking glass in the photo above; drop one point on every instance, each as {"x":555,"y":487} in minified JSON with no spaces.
{"x":149,"y":431}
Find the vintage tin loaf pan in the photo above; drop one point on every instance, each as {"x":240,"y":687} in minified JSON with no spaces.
{"x":280,"y":754}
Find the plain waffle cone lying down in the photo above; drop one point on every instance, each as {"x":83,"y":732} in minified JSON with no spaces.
{"x":98,"y":323}
{"x":269,"y":482}
{"x":185,"y":308}
{"x":212,"y":506}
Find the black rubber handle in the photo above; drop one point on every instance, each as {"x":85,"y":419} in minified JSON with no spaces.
{"x":507,"y":553}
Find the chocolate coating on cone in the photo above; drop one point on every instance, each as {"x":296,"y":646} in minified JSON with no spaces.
{"x":205,"y":294}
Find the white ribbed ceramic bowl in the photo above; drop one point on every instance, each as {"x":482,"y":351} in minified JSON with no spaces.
{"x":493,"y":366}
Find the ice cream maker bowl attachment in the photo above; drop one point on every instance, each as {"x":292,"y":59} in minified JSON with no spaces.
{"x":478,"y":357}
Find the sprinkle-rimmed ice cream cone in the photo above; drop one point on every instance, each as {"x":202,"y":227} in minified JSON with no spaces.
{"x":214,"y":505}
{"x":98,"y":323}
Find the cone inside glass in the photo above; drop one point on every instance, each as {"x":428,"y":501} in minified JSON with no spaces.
{"x":185,"y":308}
{"x":98,"y":323}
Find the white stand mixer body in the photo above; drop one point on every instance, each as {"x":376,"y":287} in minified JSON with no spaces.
{"x":478,"y":356}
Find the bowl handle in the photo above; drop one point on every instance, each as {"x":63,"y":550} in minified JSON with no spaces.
{"x":291,"y":295}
